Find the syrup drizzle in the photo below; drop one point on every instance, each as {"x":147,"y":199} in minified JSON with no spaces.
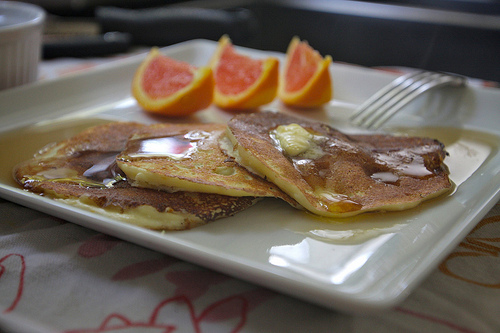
{"x":176,"y":147}
{"x":104,"y":169}
{"x":87,"y":168}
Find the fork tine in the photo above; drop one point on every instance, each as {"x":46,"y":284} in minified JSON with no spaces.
{"x":383,"y":105}
{"x":382,"y":96}
{"x":389,"y":107}
{"x":439,"y":80}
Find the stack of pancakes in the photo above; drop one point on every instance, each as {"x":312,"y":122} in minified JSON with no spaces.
{"x":177,"y":176}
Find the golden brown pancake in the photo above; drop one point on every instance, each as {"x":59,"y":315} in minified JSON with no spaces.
{"x":188,"y":157}
{"x":81,"y":171}
{"x":336,"y":175}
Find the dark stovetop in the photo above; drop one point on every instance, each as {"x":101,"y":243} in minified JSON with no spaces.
{"x":461,"y":36}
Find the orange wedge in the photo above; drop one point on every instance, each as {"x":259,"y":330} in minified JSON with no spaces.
{"x":242,"y":82}
{"x":305,"y":79}
{"x":170,"y":87}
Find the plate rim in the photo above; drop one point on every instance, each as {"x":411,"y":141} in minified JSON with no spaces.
{"x":351,"y":302}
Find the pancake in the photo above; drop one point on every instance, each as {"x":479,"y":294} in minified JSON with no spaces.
{"x":82,"y":171}
{"x":188,"y":157}
{"x":336,"y":175}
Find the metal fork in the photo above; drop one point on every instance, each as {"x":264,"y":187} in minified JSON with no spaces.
{"x":385,"y":103}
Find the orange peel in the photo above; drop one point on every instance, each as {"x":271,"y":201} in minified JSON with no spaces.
{"x":242,"y":82}
{"x":305,"y":80}
{"x":169,"y":87}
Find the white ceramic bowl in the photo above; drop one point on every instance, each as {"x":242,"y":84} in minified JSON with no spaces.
{"x":21,"y":27}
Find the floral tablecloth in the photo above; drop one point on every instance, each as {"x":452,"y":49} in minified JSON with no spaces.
{"x":56,"y":276}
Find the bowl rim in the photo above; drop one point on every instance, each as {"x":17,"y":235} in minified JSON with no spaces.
{"x":37,"y":15}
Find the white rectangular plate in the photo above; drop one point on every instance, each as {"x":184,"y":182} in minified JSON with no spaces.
{"x":357,"y":264}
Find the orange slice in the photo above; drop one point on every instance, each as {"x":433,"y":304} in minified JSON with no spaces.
{"x":242,"y":82}
{"x":170,"y":87}
{"x":305,"y":80}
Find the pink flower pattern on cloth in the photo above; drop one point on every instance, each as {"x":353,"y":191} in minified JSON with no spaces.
{"x":66,"y":278}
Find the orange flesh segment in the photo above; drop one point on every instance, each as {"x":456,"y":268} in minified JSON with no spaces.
{"x":235,"y":72}
{"x":165,"y":76}
{"x":302,"y":66}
